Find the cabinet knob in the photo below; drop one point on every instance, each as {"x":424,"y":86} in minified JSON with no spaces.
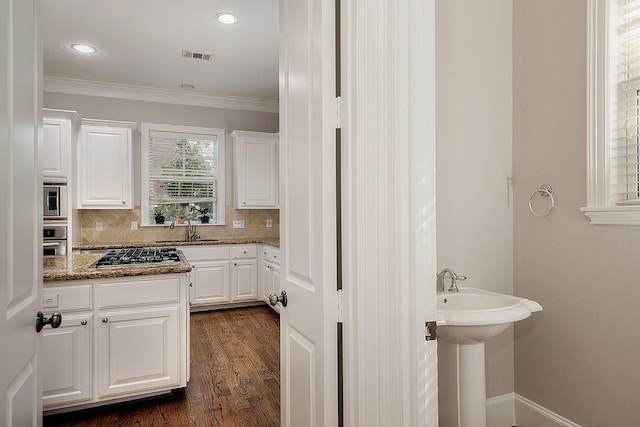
{"x":105,"y":320}
{"x":244,"y":203}
{"x":235,"y":263}
{"x":244,"y":252}
{"x":191,"y":285}
{"x":123,"y":202}
{"x":83,"y":323}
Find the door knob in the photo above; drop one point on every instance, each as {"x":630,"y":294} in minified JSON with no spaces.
{"x":55,"y":320}
{"x":275,"y":299}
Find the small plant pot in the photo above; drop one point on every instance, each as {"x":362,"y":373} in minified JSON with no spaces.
{"x":159,"y":219}
{"x":204,"y":219}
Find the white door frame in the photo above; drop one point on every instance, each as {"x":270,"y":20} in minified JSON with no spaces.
{"x":388,"y":204}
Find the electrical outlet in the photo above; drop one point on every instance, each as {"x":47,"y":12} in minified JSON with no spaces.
{"x":269,"y":223}
{"x":134,"y":225}
{"x":98,"y":226}
{"x":49,"y":301}
{"x":238,"y":223}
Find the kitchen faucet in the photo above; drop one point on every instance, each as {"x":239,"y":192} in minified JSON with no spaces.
{"x":191,"y":229}
{"x":454,"y":279}
{"x":191,"y":232}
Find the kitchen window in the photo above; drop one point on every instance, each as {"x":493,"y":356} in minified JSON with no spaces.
{"x":182,"y":174}
{"x":613,"y":107}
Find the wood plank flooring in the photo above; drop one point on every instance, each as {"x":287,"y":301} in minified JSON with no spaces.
{"x":235,"y":379}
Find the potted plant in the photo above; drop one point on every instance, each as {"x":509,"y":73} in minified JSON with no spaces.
{"x":158,"y":215}
{"x":205,"y":216}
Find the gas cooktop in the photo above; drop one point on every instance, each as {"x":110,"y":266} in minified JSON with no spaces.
{"x":138,"y":256}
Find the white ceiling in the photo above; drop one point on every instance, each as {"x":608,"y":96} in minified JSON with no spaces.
{"x":140,"y":43}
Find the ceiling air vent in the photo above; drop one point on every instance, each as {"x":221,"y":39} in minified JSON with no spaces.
{"x":196,"y":55}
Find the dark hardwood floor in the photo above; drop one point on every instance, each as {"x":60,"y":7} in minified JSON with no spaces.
{"x":235,"y":379}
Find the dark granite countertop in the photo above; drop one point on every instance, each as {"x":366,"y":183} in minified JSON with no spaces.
{"x":272,"y":241}
{"x":57,"y":268}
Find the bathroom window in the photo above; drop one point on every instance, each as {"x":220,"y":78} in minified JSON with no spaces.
{"x":182,"y":174}
{"x":613,"y":97}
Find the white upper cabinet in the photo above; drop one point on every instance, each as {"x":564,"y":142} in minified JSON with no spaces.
{"x":255,"y":170}
{"x":59,"y":129}
{"x":105,"y":167}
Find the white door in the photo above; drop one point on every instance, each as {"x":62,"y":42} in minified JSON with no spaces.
{"x":20,"y":214}
{"x":307,"y":213}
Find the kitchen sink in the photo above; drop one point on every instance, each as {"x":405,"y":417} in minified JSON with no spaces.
{"x":184,"y":242}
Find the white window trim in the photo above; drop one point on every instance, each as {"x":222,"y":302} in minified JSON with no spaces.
{"x":145,"y":128}
{"x":599,"y":208}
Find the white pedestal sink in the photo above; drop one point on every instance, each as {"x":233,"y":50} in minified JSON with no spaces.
{"x":469,"y":318}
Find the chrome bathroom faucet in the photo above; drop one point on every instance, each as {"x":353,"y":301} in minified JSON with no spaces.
{"x":454,"y":279}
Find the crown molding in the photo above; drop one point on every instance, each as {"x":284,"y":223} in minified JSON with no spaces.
{"x":152,"y":94}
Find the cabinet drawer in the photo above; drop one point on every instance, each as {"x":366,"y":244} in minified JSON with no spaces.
{"x":242,"y":252}
{"x":66,"y":298}
{"x":271,"y":254}
{"x":205,"y":253}
{"x":138,"y":292}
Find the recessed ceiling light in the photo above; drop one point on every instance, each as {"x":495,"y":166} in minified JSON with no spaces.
{"x":187,"y":86}
{"x":227,"y":18}
{"x":84,"y":48}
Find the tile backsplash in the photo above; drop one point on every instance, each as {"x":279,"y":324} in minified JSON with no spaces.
{"x":116,"y":226}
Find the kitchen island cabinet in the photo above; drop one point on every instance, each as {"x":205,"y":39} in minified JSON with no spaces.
{"x":121,"y":337}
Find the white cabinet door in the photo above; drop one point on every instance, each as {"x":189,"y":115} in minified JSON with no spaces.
{"x":67,"y":361}
{"x":210,"y":283}
{"x":56,"y":144}
{"x":244,"y":280}
{"x":271,"y":282}
{"x":105,"y":167}
{"x":138,"y":350}
{"x":255,"y":170}
{"x":267,"y":280}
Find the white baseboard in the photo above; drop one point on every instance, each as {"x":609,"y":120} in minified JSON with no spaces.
{"x":530,"y":414}
{"x":512,"y":409}
{"x":501,"y":411}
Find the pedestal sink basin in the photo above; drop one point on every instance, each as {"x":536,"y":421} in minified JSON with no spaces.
{"x":473,"y":315}
{"x":469,"y":318}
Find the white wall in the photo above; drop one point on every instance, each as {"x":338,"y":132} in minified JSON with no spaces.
{"x":579,"y":357}
{"x":473,"y":152}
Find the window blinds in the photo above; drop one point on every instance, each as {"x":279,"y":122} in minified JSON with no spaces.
{"x":625,"y":139}
{"x":182,"y":168}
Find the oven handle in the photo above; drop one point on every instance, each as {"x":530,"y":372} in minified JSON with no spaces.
{"x":45,"y":244}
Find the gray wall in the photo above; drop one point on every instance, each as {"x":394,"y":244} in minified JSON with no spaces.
{"x":139,"y":111}
{"x":473,"y":160}
{"x":580,"y":356}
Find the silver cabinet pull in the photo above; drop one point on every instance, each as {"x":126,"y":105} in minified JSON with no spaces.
{"x":105,"y":320}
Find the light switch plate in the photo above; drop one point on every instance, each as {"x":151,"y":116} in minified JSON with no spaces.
{"x":238,"y":223}
{"x":134,"y":225}
{"x":98,"y":226}
{"x":269,"y":223}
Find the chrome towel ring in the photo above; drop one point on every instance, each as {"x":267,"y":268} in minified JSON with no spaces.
{"x":545,"y":191}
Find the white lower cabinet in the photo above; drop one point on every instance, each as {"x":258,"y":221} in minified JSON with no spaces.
{"x":209,"y":283}
{"x":67,"y":361}
{"x":131,"y":339}
{"x":270,"y":274}
{"x":222,"y":274}
{"x":138,"y":351}
{"x":244,"y":280}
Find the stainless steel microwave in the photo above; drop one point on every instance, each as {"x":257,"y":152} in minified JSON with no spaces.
{"x":55,"y":201}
